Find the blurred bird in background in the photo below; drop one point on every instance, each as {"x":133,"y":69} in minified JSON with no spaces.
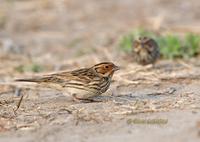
{"x":145,"y":51}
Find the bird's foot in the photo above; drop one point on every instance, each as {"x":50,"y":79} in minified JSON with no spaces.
{"x":84,"y":100}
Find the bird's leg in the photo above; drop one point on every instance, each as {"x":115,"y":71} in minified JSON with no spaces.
{"x":86,"y":100}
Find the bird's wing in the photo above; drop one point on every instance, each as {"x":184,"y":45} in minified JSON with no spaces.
{"x":80,"y":75}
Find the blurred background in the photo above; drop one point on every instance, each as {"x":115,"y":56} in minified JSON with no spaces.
{"x":40,"y":36}
{"x":46,"y":35}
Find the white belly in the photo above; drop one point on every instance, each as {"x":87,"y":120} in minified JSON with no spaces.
{"x":82,"y":94}
{"x":68,"y":91}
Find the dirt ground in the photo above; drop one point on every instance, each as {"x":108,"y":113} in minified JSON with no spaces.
{"x":142,"y":104}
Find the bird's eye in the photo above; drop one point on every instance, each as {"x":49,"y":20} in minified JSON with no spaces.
{"x":106,"y":67}
{"x":150,"y":46}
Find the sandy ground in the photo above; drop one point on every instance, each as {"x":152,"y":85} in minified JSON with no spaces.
{"x":143,"y":104}
{"x":150,"y":108}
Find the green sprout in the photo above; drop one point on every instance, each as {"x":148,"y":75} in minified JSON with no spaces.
{"x":29,"y":68}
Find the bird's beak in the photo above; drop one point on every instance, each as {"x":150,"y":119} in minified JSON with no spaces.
{"x":116,"y":68}
{"x":142,"y":45}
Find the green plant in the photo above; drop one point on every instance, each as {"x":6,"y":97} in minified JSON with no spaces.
{"x":126,"y":42}
{"x":191,"y":45}
{"x":171,"y":45}
{"x":29,"y":68}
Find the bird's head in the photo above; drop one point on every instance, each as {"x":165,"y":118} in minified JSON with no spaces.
{"x":144,"y":44}
{"x":105,"y":69}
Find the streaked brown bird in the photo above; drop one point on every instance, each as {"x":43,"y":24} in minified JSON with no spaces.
{"x":82,"y":84}
{"x":145,"y":51}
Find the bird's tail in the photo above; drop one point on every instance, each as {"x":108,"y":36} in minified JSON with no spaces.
{"x":29,"y":80}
